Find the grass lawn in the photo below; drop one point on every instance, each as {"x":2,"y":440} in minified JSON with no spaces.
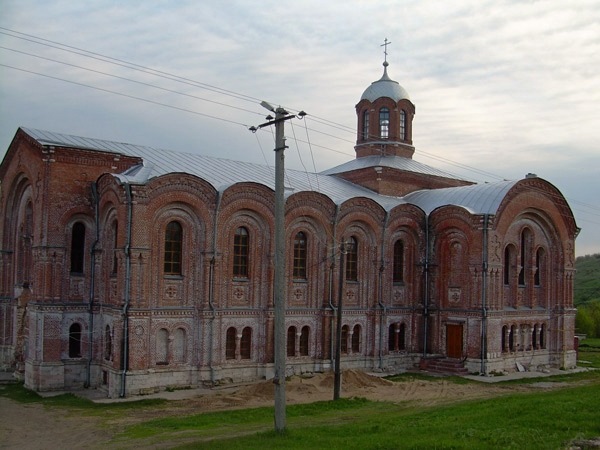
{"x":549,"y":416}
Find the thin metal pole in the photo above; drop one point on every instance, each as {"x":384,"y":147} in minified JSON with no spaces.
{"x":337,"y":381}
{"x":279,"y":282}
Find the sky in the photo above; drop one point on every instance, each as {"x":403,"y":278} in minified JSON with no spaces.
{"x":502,"y":88}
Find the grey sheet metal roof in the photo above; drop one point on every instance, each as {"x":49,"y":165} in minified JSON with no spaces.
{"x":385,"y":87}
{"x":219,"y":172}
{"x":394,"y":162}
{"x":477,"y":199}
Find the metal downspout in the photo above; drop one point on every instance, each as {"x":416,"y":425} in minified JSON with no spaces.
{"x":211,"y":291}
{"x":88,"y":373}
{"x":127,"y":288}
{"x":484,"y":293}
{"x":426,"y":281}
{"x":380,"y":295}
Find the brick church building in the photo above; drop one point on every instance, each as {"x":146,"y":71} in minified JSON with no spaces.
{"x":131,"y":269}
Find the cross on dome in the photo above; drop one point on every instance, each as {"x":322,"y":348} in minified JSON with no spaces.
{"x":384,"y":45}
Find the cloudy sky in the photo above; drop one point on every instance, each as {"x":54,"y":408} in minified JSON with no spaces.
{"x":501,"y":88}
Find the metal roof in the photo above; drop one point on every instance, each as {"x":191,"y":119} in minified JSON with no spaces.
{"x":222,"y":173}
{"x":477,"y":199}
{"x":385,"y":87}
{"x":393,"y":162}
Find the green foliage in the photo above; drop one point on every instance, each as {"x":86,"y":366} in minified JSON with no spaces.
{"x":587,"y":279}
{"x":587,"y":320}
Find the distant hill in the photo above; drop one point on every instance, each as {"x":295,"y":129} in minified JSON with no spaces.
{"x":587,"y":279}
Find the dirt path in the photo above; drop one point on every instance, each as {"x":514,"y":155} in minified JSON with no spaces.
{"x":33,"y":426}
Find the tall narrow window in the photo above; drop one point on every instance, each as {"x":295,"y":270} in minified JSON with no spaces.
{"x":230,"y":343}
{"x":365,"y":124}
{"x":356,"y":339}
{"x":351,"y":259}
{"x":241,"y":249}
{"x":300,"y":256}
{"x":344,"y":339}
{"x":246,"y":343}
{"x":162,"y":347}
{"x":402,"y":337}
{"x":534,"y":336}
{"x":384,"y":123}
{"x":304,"y":340}
{"x":543,"y":336}
{"x":511,"y":338}
{"x":392,"y":338}
{"x":77,"y":247}
{"x":179,"y":346}
{"x":173,"y":248}
{"x":398,"y":270}
{"x":524,"y":255}
{"x":503,"y":339}
{"x":291,"y":341}
{"x":75,"y":341}
{"x":402,"y":125}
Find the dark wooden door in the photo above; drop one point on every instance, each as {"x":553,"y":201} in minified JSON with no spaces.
{"x":454,"y":340}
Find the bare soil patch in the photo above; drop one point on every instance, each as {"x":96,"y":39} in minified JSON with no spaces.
{"x":34,"y":426}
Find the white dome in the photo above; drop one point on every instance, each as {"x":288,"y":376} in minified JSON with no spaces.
{"x":385,"y":87}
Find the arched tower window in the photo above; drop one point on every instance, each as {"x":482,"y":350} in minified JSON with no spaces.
{"x":75,"y":341}
{"x":77,"y":247}
{"x":241,"y":251}
{"x":365,"y":129}
{"x":398,"y":269}
{"x":402,"y":125}
{"x":173,"y":248}
{"x":299,"y":272}
{"x":351,"y":250}
{"x":384,"y":123}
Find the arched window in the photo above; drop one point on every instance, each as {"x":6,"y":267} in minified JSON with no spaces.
{"x":534,"y":340}
{"x":162,"y":347}
{"x":525,"y":238}
{"x":384,"y":123}
{"x":173,"y":248}
{"x":365,"y":129}
{"x":77,"y":247}
{"x":230,"y":343}
{"x":503,"y":339}
{"x":402,"y":337}
{"x":344,"y":339}
{"x":392,"y":338}
{"x":241,"y":251}
{"x":179,"y":346}
{"x":107,"y":343}
{"x":352,"y":259}
{"x":543,"y":336}
{"x":510,"y":262}
{"x":402,"y":125}
{"x":246,"y":343}
{"x":356,"y":339}
{"x":291,"y":341}
{"x":304,"y":340}
{"x":25,"y":257}
{"x":299,"y":271}
{"x":511,"y":338}
{"x":75,"y":341}
{"x":398,"y":269}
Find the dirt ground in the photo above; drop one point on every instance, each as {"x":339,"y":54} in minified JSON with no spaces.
{"x":33,"y":426}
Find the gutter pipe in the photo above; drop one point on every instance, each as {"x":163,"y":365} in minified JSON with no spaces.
{"x":88,"y":375}
{"x":211,"y":290}
{"x":426,"y":281}
{"x":380,"y":296}
{"x":484,"y":293}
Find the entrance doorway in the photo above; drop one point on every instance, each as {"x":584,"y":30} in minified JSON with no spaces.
{"x":454,"y":340}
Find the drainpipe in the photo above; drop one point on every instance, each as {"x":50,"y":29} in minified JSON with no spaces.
{"x":331,"y":272}
{"x":426,"y":281}
{"x":484,"y":293}
{"x":211,"y":291}
{"x":127,"y":288}
{"x":88,"y":375}
{"x":380,"y":296}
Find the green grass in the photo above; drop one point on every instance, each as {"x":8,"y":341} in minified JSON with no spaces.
{"x":589,"y":353}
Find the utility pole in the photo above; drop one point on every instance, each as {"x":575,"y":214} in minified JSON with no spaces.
{"x":281,"y":115}
{"x":345,"y":247}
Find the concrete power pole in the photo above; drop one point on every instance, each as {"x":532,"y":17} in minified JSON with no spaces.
{"x":281,"y":115}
